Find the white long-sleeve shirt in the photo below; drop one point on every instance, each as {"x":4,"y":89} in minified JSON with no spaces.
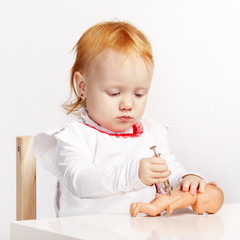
{"x":98,"y":169}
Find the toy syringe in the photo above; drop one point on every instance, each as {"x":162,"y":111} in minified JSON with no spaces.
{"x":167,"y":186}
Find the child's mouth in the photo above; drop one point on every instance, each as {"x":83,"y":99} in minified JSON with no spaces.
{"x":125,"y":118}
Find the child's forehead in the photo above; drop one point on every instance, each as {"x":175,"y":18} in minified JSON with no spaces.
{"x":118,"y":69}
{"x":116,"y":59}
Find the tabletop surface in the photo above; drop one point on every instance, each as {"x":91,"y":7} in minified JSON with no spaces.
{"x":182,"y":224}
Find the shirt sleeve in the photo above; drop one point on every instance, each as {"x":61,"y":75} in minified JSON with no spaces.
{"x":85,"y":180}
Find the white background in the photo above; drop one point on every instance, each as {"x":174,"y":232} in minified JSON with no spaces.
{"x":195,"y":86}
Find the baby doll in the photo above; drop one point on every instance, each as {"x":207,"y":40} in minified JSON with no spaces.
{"x":209,"y":201}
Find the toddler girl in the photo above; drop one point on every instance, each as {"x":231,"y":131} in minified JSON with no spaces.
{"x":103,"y":159}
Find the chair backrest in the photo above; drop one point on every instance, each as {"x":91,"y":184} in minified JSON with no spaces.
{"x":26,"y":179}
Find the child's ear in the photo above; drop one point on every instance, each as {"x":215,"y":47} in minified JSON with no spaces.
{"x":80,"y":84}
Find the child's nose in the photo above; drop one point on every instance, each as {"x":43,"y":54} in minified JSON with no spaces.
{"x":126,"y":104}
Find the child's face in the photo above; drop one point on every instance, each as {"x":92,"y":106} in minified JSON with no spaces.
{"x":116,"y":89}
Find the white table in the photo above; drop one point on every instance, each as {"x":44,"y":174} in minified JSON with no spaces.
{"x":182,"y":224}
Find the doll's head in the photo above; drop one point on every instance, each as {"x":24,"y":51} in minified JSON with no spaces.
{"x":209,"y":201}
{"x":111,"y":75}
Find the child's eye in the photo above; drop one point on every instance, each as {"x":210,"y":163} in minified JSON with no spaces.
{"x":114,"y":93}
{"x":139,"y":95}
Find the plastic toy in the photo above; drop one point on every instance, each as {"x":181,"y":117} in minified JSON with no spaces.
{"x":209,"y":201}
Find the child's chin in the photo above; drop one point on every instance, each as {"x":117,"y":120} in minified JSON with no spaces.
{"x":119,"y":129}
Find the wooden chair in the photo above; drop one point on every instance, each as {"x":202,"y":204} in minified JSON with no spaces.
{"x":26,"y":179}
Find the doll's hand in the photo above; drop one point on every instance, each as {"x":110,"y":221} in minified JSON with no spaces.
{"x":191,"y":183}
{"x":153,"y":170}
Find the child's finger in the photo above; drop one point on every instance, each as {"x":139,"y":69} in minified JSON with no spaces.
{"x":202,"y":186}
{"x":213,"y":183}
{"x":160,"y":180}
{"x":193,"y":187}
{"x":160,"y":174}
{"x":159,"y":167}
{"x":185,"y":186}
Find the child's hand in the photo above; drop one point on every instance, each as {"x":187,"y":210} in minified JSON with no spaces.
{"x":153,"y":170}
{"x":191,"y":183}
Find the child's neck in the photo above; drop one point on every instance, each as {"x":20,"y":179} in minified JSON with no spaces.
{"x":85,"y":118}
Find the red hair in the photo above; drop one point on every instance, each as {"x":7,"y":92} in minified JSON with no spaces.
{"x":120,"y":36}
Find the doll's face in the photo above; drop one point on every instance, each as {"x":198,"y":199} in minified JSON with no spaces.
{"x":116,"y":89}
